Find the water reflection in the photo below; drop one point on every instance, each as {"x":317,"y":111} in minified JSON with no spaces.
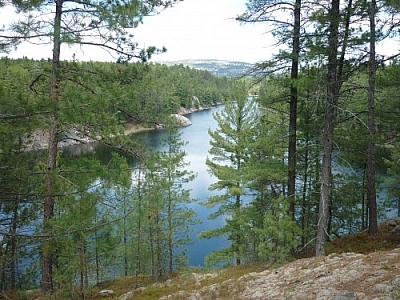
{"x":198,"y":144}
{"x":196,"y":149}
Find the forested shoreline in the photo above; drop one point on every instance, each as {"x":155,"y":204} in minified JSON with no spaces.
{"x":143,"y":94}
{"x":85,"y":180}
{"x":312,"y":158}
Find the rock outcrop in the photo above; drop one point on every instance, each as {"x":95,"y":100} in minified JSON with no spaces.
{"x":182,"y":120}
{"x":39,"y":138}
{"x":106,"y":293}
{"x":334,"y":277}
{"x":394,"y":225}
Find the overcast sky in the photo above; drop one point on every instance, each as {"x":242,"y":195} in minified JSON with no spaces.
{"x":205,"y":29}
{"x":192,"y":29}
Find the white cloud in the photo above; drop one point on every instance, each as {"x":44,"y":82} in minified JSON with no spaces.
{"x":192,"y":29}
{"x":204,"y":29}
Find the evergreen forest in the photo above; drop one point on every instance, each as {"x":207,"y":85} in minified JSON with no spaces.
{"x":312,"y":155}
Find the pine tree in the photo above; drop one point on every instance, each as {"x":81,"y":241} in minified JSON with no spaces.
{"x":371,"y":168}
{"x":289,"y":33}
{"x":162,"y":219}
{"x":265,"y":11}
{"x":279,"y":233}
{"x":101,"y":24}
{"x":18,"y":205}
{"x":228,"y":155}
{"x":173,"y":175}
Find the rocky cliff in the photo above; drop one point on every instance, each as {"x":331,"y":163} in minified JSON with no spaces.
{"x":39,"y":138}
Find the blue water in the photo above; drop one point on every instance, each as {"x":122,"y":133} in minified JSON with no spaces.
{"x":198,"y":144}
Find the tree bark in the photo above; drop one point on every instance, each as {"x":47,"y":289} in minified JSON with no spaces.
{"x":330,"y":119}
{"x":13,"y":240}
{"x":335,"y":80}
{"x":371,"y":169}
{"x":48,"y":211}
{"x":125,"y":237}
{"x":138,"y":268}
{"x":293,"y":110}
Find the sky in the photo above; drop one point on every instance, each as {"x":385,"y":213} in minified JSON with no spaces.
{"x":191,"y":29}
{"x":205,"y":29}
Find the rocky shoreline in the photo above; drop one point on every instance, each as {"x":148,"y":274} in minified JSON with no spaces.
{"x":38,"y":140}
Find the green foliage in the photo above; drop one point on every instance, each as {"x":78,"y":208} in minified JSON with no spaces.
{"x":279,"y":232}
{"x":393,"y":4}
{"x":229,"y":152}
{"x":108,"y":217}
{"x":222,"y":258}
{"x":393,"y":181}
{"x":154,"y":222}
{"x":94,"y":193}
{"x":169,"y":167}
{"x":110,"y":20}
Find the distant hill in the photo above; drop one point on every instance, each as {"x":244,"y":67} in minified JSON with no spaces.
{"x":216,"y":67}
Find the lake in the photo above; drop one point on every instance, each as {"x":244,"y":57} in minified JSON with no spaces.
{"x":197,"y":148}
{"x":197,"y":138}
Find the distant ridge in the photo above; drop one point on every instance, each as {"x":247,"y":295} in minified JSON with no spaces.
{"x":216,"y":67}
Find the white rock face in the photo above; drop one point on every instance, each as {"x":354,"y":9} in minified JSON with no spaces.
{"x":106,"y":293}
{"x":183,"y":121}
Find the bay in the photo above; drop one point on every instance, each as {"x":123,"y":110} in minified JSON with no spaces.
{"x":198,"y":144}
{"x":197,"y":147}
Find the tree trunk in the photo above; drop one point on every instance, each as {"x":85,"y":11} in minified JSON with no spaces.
{"x":237,"y":233}
{"x":82,"y":268}
{"x":293,"y":110}
{"x":398,"y":207}
{"x":371,"y":169}
{"x":330,"y":119}
{"x":152,"y":249}
{"x":14,"y":256}
{"x":335,"y":80}
{"x":364,"y":206}
{"x":125,"y":238}
{"x":169,"y":210}
{"x":48,"y":211}
{"x":96,"y":256}
{"x":159,"y":250}
{"x":139,"y":228}
{"x":304,"y":206}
